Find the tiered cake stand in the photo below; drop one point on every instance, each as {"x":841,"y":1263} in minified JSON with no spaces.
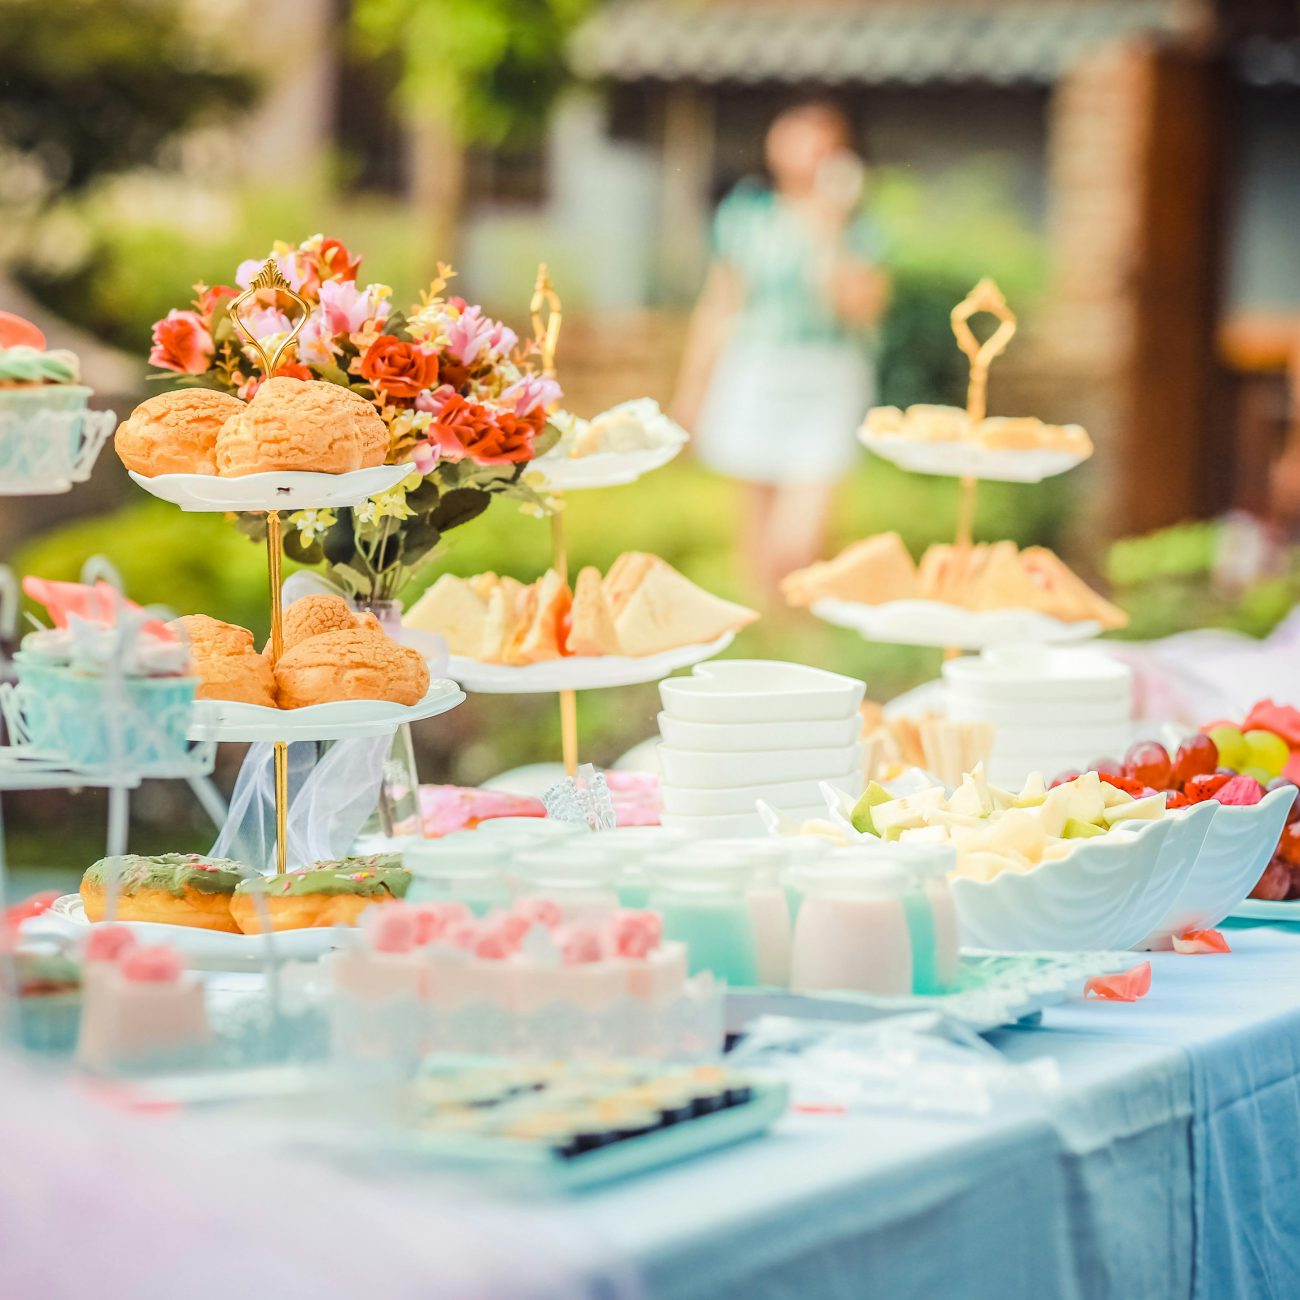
{"x":608,"y":469}
{"x":934,"y":623}
{"x":272,"y":493}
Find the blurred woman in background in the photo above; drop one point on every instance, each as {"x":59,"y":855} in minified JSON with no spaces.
{"x":778,"y":372}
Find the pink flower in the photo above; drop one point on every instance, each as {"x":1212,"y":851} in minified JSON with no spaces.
{"x":316,"y":344}
{"x":425,"y":457}
{"x":472,"y":332}
{"x":347,"y":308}
{"x":265,"y":321}
{"x":434,"y":399}
{"x":181,"y":342}
{"x":530,"y":392}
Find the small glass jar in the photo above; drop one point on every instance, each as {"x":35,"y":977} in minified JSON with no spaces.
{"x":633,"y":846}
{"x":579,"y":875}
{"x":702,"y":902}
{"x":852,"y":932}
{"x":932,"y":912}
{"x":461,"y":868}
{"x":526,"y":832}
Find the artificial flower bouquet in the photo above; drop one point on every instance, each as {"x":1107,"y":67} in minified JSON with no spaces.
{"x":463,"y":400}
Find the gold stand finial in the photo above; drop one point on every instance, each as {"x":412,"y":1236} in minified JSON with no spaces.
{"x":269,"y":277}
{"x":547,"y":317}
{"x":984,"y":297}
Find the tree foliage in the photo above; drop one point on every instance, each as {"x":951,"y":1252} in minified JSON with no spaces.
{"x":93,"y":87}
{"x":489,"y":69}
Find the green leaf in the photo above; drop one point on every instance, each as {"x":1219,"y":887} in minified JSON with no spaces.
{"x":458,"y":507}
{"x":339,"y":544}
{"x":545,"y":440}
{"x":333,"y":374}
{"x":353,"y":581}
{"x":396,"y":326}
{"x":300,"y":551}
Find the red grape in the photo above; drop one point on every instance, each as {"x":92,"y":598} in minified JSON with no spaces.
{"x":1148,"y":761}
{"x":1198,"y":756}
{"x":1106,"y":767}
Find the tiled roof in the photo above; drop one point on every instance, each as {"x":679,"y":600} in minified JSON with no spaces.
{"x":842,"y":44}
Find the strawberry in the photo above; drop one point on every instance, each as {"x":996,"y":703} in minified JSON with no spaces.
{"x":1201,"y":788}
{"x":1125,"y":783}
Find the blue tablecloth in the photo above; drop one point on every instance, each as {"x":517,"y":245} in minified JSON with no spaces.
{"x":1168,"y":1166}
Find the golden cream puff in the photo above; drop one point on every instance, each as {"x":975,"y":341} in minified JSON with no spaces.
{"x":176,"y":432}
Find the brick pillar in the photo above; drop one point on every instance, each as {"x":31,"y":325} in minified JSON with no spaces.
{"x":1133,"y":170}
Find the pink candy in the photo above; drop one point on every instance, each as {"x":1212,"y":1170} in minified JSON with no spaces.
{"x":464,"y":934}
{"x":512,"y":927}
{"x":578,"y":945}
{"x":540,"y":911}
{"x":392,"y":928}
{"x":160,"y":964}
{"x":108,"y":942}
{"x":494,"y":946}
{"x":635,"y":934}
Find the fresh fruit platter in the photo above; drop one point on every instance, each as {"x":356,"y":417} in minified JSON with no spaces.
{"x":1233,"y":764}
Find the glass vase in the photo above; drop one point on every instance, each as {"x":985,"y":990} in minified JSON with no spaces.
{"x":397,"y":811}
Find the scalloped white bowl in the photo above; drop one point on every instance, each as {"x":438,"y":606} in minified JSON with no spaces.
{"x":1237,"y":847}
{"x":1102,"y":896}
{"x":760,"y":690}
{"x":696,"y":770}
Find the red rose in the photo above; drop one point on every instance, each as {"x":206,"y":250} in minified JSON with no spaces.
{"x":468,"y":429}
{"x":336,"y":262}
{"x":399,"y":369}
{"x":181,"y":342}
{"x":211,"y":298}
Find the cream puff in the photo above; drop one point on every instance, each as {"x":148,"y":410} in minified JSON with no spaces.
{"x":350,"y":664}
{"x":176,"y":432}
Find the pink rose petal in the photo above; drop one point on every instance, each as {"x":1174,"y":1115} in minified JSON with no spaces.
{"x":1127,"y":986}
{"x":1197,"y":941}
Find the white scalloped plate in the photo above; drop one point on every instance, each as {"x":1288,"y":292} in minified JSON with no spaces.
{"x":933,"y":623}
{"x":1237,"y":847}
{"x":207,"y":949}
{"x":604,"y":468}
{"x":964,"y":460}
{"x":580,"y":672}
{"x":277,"y":490}
{"x":230,"y":720}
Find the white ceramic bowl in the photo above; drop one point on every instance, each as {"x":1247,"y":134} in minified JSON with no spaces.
{"x":1038,"y":674}
{"x":1024,"y":714}
{"x":1237,"y":847}
{"x":743,"y":825}
{"x":697,"y":770}
{"x":749,"y":737}
{"x":760,"y":690}
{"x":1100,"y":897}
{"x":714,"y":802}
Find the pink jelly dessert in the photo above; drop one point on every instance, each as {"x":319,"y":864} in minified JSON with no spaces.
{"x":520,"y":959}
{"x":138,"y":1002}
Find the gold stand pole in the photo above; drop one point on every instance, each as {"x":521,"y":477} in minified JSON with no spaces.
{"x":545,"y":310}
{"x":269,"y":280}
{"x":984,"y":297}
{"x":280,"y":750}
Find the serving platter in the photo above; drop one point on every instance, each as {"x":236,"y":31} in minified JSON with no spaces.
{"x":934,"y":623}
{"x":275,"y":490}
{"x":956,"y":459}
{"x":231,"y":720}
{"x":203,"y":949}
{"x":602,"y":469}
{"x":580,"y":672}
{"x":992,"y":989}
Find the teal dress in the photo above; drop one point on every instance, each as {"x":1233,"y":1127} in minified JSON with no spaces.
{"x":794,"y":381}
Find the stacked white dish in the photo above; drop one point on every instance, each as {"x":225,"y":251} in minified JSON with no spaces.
{"x":741,"y":730}
{"x":1052,"y":709}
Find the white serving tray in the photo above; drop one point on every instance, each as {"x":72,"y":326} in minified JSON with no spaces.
{"x":934,"y":623}
{"x":602,"y":469}
{"x":230,"y":720}
{"x":276,"y":490}
{"x":203,"y":949}
{"x":994,"y":989}
{"x":580,"y":672}
{"x":1267,"y":909}
{"x":956,"y":459}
